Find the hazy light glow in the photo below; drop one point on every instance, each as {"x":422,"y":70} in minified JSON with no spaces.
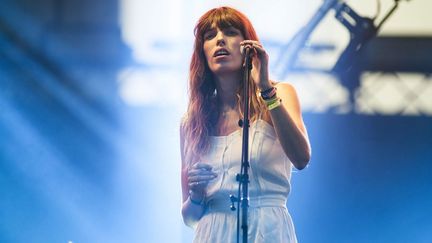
{"x":165,"y":48}
{"x":154,"y":87}
{"x":161,"y":36}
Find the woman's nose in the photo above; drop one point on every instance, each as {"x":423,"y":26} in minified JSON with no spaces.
{"x":220,"y":37}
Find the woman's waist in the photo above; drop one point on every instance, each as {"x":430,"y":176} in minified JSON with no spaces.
{"x":223,"y":203}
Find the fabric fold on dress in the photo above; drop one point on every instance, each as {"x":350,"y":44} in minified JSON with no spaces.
{"x":269,"y":187}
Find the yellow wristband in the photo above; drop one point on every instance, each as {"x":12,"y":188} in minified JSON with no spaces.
{"x":271,"y":101}
{"x":275,"y":104}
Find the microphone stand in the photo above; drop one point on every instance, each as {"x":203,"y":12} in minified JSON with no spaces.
{"x":243,"y":177}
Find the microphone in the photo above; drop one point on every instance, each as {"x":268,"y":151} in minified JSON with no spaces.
{"x":246,"y":49}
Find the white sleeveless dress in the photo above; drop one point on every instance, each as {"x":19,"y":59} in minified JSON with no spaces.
{"x":270,"y":174}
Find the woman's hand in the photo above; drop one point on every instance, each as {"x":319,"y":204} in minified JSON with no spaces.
{"x":260,"y":60}
{"x":198,"y":178}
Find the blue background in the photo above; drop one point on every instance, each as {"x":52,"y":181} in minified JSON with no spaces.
{"x":79,"y":164}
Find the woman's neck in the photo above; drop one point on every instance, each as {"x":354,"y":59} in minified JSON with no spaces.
{"x":227,"y":91}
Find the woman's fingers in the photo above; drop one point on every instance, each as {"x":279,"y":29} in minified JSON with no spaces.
{"x":200,"y":169}
{"x":200,"y":172}
{"x":199,"y":178}
{"x":260,"y":62}
{"x":257,"y":47}
{"x":198,"y":185}
{"x":254,"y":44}
{"x":202,"y":166}
{"x":199,"y":175}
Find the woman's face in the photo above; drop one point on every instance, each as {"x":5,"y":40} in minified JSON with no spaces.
{"x":222,"y":50}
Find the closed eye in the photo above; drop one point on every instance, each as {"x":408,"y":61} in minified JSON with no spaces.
{"x":209,"y":34}
{"x":232,"y":31}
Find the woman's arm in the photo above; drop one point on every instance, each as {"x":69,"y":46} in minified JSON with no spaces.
{"x":191,"y":212}
{"x":288,"y":124}
{"x":286,"y":118}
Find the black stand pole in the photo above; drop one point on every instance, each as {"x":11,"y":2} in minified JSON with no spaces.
{"x":243,"y":177}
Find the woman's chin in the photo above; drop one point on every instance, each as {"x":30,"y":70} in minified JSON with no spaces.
{"x":225,"y":69}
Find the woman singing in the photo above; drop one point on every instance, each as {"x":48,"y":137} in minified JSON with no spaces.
{"x":211,"y":139}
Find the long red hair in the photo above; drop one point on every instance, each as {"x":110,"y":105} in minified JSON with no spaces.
{"x":202,"y":113}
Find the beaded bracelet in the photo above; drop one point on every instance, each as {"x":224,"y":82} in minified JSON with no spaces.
{"x":268,"y":93}
{"x":196,"y":202}
{"x":271,"y":100}
{"x":199,"y":203}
